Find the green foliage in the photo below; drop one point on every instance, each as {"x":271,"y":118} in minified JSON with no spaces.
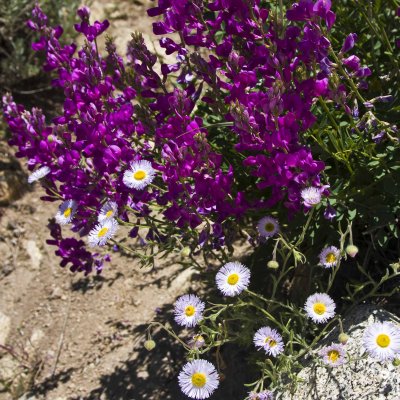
{"x":20,"y":68}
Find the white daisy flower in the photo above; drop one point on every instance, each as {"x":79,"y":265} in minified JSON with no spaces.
{"x":103,"y":231}
{"x":333,"y":355}
{"x":382,"y":340}
{"x":66,"y":212}
{"x":311,"y":196}
{"x":108,"y":211}
{"x":233,"y":278}
{"x":268,"y":227}
{"x":329,"y":256}
{"x":38,"y":174}
{"x":264,"y":395}
{"x":198,"y":379}
{"x":188,"y":310}
{"x":270,"y":340}
{"x":320,"y":307}
{"x":139,"y":175}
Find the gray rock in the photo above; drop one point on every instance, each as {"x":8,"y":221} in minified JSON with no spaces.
{"x":360,"y":377}
{"x":5,"y":325}
{"x":34,"y":253}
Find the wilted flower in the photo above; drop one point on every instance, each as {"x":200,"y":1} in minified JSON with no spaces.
{"x":270,"y":340}
{"x":268,"y":227}
{"x":329,"y":256}
{"x":38,"y":174}
{"x":311,"y":196}
{"x":333,"y":355}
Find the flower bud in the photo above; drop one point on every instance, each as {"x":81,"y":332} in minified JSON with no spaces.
{"x":351,"y":250}
{"x":343,"y":338}
{"x":149,"y":344}
{"x":185,"y":252}
{"x":396,"y":362}
{"x":273,"y":264}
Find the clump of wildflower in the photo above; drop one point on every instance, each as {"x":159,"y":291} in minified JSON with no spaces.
{"x":329,"y":256}
{"x":311,"y":196}
{"x":102,"y":232}
{"x":268,"y":227}
{"x":38,"y":174}
{"x":108,"y":211}
{"x":270,"y":340}
{"x":320,"y":307}
{"x":140,"y":175}
{"x":198,"y":379}
{"x":66,"y":212}
{"x":188,"y":310}
{"x":233,"y":278}
{"x":333,"y":355}
{"x":382,"y":340}
{"x":264,"y":395}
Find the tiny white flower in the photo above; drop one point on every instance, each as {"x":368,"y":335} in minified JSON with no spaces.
{"x":198,"y":379}
{"x":103,"y":231}
{"x":268,"y":227}
{"x":108,"y":211}
{"x":382,"y":340}
{"x":311,"y":196}
{"x":329,"y":256}
{"x":333,"y":355}
{"x":270,"y":340}
{"x":38,"y":174}
{"x":233,"y":278}
{"x":188,"y":310}
{"x":320,"y":307}
{"x":66,"y":212}
{"x":140,"y":174}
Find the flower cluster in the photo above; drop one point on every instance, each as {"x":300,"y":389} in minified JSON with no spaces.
{"x":126,"y":136}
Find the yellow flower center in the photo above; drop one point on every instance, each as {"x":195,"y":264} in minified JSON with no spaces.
{"x":233,"y":279}
{"x":330,"y":258}
{"x":199,"y":379}
{"x":189,"y":311}
{"x":269,"y":227}
{"x":333,"y":355}
{"x":271,"y":342}
{"x":102,"y":232}
{"x":319,"y":308}
{"x":383,"y":340}
{"x":67,"y":212}
{"x":139,"y":175}
{"x":109,"y":213}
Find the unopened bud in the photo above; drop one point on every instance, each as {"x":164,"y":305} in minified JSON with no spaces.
{"x":149,"y":344}
{"x":343,"y":338}
{"x":396,"y":362}
{"x":351,"y":250}
{"x":273,"y":264}
{"x":185,"y":252}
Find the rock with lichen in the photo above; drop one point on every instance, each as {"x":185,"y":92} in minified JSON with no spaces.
{"x":360,"y":377}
